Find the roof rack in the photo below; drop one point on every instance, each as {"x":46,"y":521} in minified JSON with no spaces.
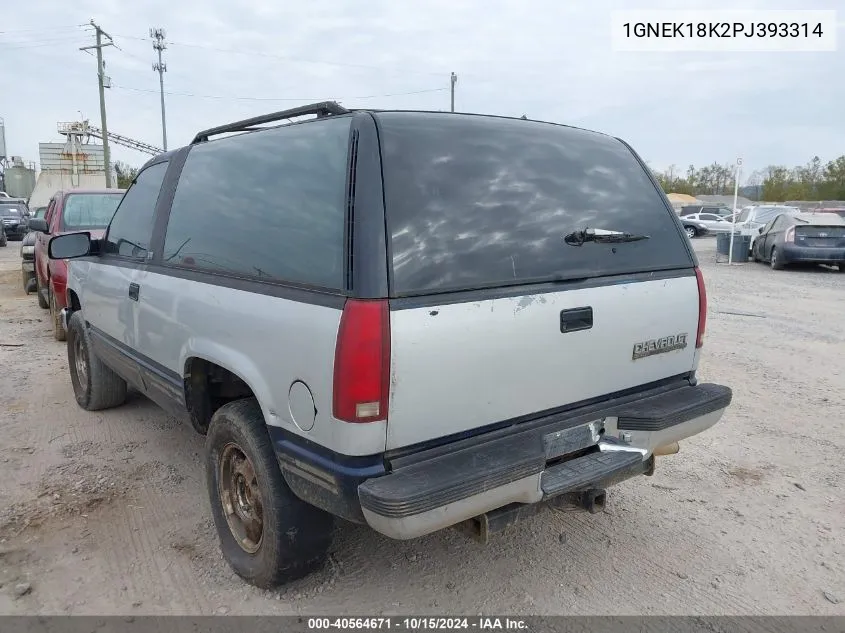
{"x":323,"y":109}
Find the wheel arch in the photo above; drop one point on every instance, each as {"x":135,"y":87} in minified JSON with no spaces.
{"x":213,"y":375}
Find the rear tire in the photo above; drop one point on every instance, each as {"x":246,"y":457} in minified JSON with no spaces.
{"x":42,"y":300}
{"x":95,"y":385}
{"x":56,"y":318}
{"x":268,"y":535}
{"x":691,"y":232}
{"x":774,"y":260}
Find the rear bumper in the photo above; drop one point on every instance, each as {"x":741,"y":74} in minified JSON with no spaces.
{"x":430,"y":491}
{"x":791,"y":253}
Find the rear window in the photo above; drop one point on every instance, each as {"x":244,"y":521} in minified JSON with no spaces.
{"x":475,"y":202}
{"x":89,"y":210}
{"x":9,"y":211}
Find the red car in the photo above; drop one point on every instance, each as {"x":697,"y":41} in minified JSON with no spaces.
{"x":67,"y":212}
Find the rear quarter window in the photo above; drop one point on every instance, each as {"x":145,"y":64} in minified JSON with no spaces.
{"x":268,"y":205}
{"x":474,"y":202}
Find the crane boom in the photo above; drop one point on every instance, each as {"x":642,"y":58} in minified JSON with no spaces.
{"x":84,"y":128}
{"x":125,"y":141}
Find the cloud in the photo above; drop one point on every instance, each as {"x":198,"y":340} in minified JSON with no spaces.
{"x":549,"y":60}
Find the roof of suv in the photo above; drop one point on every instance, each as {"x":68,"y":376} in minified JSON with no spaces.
{"x":332,"y":108}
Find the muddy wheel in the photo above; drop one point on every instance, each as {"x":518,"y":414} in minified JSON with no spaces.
{"x":267,"y":534}
{"x":95,"y":385}
{"x":42,"y":298}
{"x":775,"y":261}
{"x":56,"y":318}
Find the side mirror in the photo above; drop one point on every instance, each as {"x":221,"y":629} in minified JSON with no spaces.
{"x":38,"y":224}
{"x":69,"y":245}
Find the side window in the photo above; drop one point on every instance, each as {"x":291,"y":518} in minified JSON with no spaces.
{"x":131,"y":227}
{"x":266,"y":205}
{"x":709,"y":217}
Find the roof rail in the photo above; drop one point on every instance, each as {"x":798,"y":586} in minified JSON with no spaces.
{"x":323,"y":109}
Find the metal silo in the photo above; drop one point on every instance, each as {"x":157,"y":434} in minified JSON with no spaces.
{"x":19,"y":179}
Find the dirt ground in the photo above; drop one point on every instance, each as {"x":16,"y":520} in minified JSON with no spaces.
{"x":106,"y":513}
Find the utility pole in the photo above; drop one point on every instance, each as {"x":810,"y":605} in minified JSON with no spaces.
{"x":159,"y":45}
{"x":101,"y":79}
{"x":453,"y":80}
{"x":736,"y":196}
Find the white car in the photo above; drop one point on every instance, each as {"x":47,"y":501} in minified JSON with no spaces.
{"x":714,"y":223}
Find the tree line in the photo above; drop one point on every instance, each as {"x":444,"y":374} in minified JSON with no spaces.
{"x":777,"y":183}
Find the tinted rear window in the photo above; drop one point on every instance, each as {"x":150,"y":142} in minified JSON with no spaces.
{"x":476,"y":201}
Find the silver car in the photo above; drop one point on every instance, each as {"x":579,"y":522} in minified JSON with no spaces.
{"x":407,"y":320}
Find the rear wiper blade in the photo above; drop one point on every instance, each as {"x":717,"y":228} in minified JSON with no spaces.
{"x":578,"y":238}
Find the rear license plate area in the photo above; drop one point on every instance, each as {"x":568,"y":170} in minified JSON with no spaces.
{"x":573,"y":440}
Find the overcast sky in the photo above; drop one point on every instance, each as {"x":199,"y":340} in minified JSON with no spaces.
{"x":548,"y":59}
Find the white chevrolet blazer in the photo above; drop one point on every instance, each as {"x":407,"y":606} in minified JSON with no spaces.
{"x":409,"y":320}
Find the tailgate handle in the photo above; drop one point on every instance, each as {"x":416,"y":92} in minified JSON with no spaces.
{"x":576,"y":319}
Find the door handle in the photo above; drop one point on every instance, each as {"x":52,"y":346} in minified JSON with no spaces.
{"x":134,"y":291}
{"x":576,"y":319}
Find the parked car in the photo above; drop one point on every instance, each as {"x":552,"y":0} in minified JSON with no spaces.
{"x":695,"y":209}
{"x":817,"y":238}
{"x":13,"y":218}
{"x":694,"y":228}
{"x":71,"y":210}
{"x":409,"y":320}
{"x":713,"y":222}
{"x":28,"y":262}
{"x":752,"y":218}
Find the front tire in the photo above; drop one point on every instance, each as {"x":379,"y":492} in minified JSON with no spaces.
{"x":268,"y":535}
{"x":95,"y":385}
{"x":774,"y":260}
{"x":691,"y":232}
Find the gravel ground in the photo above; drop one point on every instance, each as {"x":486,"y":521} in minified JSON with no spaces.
{"x":106,"y":513}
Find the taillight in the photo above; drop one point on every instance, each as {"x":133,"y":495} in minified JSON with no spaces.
{"x":362,"y":362}
{"x":702,"y":308}
{"x":789,"y":236}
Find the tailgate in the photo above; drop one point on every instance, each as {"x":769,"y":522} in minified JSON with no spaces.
{"x":461,"y":366}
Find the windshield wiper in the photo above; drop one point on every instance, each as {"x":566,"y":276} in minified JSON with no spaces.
{"x":578,"y":238}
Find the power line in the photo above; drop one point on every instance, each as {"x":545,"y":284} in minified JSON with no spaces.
{"x":236,"y":98}
{"x":288,"y":57}
{"x":43,"y":29}
{"x":39,"y":43}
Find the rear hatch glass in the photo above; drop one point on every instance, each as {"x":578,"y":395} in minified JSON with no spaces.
{"x":820,"y":236}
{"x":475,"y":202}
